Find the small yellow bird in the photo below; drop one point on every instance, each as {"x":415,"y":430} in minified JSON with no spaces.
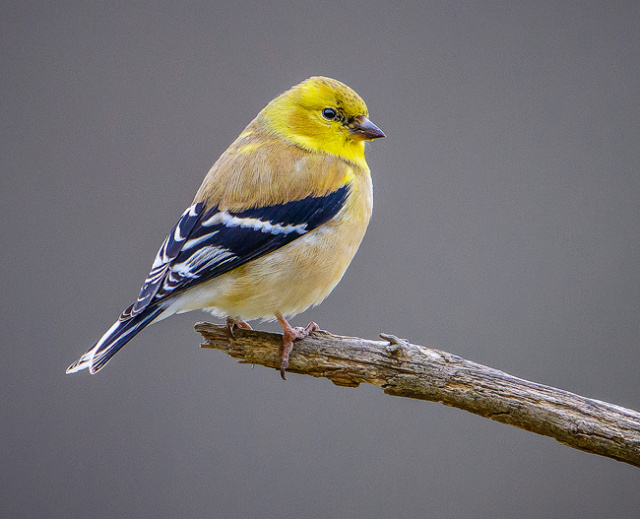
{"x":273,"y":227}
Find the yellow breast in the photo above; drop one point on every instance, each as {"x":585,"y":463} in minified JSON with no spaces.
{"x":300,"y":274}
{"x":304,"y":272}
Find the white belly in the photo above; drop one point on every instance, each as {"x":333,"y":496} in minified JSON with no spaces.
{"x":288,"y":280}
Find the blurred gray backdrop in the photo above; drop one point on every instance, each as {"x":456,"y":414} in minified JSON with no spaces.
{"x":506,"y":230}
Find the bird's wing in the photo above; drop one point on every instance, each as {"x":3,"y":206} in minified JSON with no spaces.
{"x":206,"y":243}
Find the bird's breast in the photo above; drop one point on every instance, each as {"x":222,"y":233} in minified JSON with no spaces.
{"x":298,"y":275}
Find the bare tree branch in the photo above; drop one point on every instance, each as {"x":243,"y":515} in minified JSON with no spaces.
{"x":413,"y":371}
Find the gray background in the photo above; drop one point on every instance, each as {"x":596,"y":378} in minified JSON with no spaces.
{"x":506,"y":230}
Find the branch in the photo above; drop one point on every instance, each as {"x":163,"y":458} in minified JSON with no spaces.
{"x":412,"y":371}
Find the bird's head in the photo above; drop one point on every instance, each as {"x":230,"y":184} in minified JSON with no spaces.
{"x":322,"y":114}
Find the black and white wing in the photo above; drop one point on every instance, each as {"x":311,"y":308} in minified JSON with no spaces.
{"x":205,"y":244}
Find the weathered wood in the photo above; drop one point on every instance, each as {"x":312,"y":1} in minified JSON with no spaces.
{"x":413,"y":371}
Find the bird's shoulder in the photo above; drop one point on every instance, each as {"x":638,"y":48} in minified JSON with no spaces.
{"x":261,"y":169}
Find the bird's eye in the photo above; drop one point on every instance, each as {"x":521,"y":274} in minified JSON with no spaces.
{"x":329,"y":114}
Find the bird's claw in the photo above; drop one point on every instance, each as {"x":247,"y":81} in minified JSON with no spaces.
{"x":289,"y":335}
{"x":232,"y":324}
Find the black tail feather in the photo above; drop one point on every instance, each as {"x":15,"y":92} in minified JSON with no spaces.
{"x":113,"y":340}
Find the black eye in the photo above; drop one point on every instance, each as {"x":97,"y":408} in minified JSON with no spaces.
{"x":329,"y":113}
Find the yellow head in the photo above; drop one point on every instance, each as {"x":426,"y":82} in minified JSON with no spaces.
{"x":322,"y":115}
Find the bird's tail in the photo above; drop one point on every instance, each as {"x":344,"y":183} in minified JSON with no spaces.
{"x":122,"y":331}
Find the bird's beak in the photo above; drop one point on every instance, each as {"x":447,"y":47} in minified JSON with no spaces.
{"x":363,"y":129}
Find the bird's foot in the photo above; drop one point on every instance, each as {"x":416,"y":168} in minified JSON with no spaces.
{"x":232,"y":324}
{"x":289,"y":335}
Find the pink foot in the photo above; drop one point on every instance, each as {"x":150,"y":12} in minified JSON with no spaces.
{"x":232,"y":324}
{"x":289,"y":335}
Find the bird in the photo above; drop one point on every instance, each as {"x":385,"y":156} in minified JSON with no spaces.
{"x":273,"y":227}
